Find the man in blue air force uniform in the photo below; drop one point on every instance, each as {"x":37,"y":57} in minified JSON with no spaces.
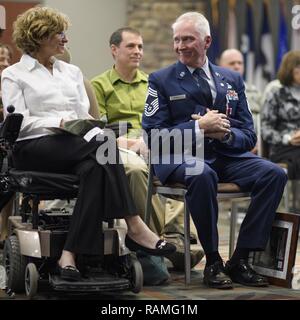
{"x":197,"y":95}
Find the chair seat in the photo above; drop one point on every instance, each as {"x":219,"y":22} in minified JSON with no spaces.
{"x":44,"y":183}
{"x":222,"y":187}
{"x":228,"y":188}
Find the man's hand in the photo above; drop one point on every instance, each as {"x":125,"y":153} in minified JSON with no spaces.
{"x":295,"y":140}
{"x":143,"y":149}
{"x":213,"y":122}
{"x":136,"y":145}
{"x":124,"y":143}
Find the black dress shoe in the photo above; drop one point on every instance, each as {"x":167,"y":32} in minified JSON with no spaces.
{"x":242,"y":273}
{"x":162,"y":248}
{"x":214,"y":276}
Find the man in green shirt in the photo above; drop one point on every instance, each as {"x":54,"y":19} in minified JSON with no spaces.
{"x":121,"y":93}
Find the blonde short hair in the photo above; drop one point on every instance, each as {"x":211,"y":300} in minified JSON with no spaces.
{"x":37,"y":24}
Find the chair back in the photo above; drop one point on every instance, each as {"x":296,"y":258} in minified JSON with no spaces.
{"x":94,"y":109}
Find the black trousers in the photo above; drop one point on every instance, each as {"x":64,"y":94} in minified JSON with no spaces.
{"x":289,"y":155}
{"x":103,"y":189}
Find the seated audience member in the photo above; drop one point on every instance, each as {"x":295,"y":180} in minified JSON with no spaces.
{"x":207,"y":104}
{"x":281,"y":116}
{"x":269,"y":90}
{"x":49,"y":92}
{"x":121,"y":92}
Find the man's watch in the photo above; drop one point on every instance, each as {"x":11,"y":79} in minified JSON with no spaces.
{"x":286,"y":139}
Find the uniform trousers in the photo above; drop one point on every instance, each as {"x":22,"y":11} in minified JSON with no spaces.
{"x":265,"y":181}
{"x":103,"y":189}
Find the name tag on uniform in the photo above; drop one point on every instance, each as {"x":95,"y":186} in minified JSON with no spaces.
{"x":179,"y":97}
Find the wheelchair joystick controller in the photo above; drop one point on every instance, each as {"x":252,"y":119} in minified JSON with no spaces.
{"x":10,"y":109}
{"x":9,"y":132}
{"x":11,"y":126}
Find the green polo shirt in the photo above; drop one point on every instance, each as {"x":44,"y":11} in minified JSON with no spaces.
{"x":119,"y":100}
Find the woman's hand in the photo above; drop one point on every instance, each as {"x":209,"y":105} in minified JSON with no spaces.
{"x":295,"y":140}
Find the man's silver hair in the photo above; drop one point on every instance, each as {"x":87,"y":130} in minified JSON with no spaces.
{"x":200,"y":22}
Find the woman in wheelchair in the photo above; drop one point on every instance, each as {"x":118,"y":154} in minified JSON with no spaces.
{"x":49,"y":92}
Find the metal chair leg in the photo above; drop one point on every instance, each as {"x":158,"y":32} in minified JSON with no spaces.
{"x":233,"y":221}
{"x":16,"y":206}
{"x":286,"y":197}
{"x":187,"y":244}
{"x":149,"y":197}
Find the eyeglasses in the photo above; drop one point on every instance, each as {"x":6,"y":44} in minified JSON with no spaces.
{"x":62,"y":34}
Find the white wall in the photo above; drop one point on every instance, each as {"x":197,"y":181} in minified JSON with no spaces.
{"x":93,"y":21}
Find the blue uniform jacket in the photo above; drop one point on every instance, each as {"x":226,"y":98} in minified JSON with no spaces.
{"x":173,"y":96}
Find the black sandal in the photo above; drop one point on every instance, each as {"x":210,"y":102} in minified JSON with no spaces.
{"x":69,"y":273}
{"x":162,"y":248}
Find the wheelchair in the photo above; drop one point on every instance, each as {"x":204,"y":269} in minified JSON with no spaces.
{"x":36,"y":237}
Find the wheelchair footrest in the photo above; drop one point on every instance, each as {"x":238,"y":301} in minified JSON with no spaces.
{"x":102,"y":282}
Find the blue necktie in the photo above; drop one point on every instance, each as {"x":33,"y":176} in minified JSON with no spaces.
{"x":199,"y":76}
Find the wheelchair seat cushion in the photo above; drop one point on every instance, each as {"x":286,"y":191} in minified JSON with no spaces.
{"x":43,"y":183}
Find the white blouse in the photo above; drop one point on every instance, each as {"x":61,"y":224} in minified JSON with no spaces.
{"x":44,"y":99}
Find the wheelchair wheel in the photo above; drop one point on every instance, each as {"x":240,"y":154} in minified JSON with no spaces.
{"x":137,"y":277}
{"x":31,"y":280}
{"x":14,"y":264}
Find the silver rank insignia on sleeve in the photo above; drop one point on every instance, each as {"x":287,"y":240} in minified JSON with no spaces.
{"x":151,"y":105}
